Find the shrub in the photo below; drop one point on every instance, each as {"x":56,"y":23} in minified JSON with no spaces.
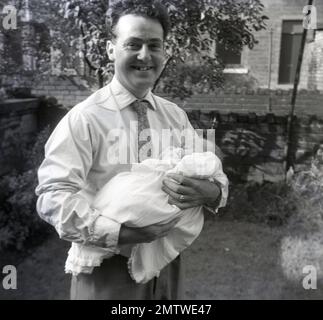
{"x":18,"y":219}
{"x":308,"y":188}
{"x":269,"y":203}
{"x":297,"y":204}
{"x":303,"y":244}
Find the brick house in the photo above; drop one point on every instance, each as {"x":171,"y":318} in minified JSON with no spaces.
{"x":272,"y":62}
{"x":237,"y":112}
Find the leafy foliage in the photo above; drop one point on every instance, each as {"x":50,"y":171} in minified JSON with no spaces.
{"x":270,"y":203}
{"x":18,"y":218}
{"x":196,"y":25}
{"x":296,"y":203}
{"x":308,"y":189}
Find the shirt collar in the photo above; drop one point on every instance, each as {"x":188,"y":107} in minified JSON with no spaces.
{"x":124,"y":98}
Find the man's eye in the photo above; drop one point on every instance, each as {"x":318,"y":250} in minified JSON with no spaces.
{"x":133,"y":46}
{"x":155,"y":47}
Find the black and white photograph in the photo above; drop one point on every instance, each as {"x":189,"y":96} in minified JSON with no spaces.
{"x":161,"y":150}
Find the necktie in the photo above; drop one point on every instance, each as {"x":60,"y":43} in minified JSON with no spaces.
{"x":144,"y":144}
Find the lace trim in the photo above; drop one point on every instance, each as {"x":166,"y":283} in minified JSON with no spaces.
{"x":130,"y":261}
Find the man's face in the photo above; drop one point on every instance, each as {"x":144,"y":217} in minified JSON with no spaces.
{"x":137,"y":52}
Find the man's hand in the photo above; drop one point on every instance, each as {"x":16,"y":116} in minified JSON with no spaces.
{"x":146,"y":234}
{"x":187,"y":192}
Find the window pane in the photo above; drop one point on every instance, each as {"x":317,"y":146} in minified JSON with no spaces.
{"x":228,"y":56}
{"x":289,"y":50}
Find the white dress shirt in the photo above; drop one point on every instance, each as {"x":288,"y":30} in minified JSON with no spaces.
{"x":78,"y":161}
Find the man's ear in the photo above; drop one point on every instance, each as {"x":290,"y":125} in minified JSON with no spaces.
{"x":110,"y":50}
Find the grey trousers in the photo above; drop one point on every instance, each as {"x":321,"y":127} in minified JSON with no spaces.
{"x":111,"y":281}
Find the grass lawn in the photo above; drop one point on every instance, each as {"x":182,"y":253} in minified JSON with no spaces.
{"x":230,"y":260}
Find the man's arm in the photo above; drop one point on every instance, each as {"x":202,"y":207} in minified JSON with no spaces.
{"x":145,"y":234}
{"x":62,"y":175}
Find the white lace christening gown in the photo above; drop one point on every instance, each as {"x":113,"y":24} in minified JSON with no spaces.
{"x":136,"y":199}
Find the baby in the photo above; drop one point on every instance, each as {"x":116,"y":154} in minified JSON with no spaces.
{"x":136,"y":199}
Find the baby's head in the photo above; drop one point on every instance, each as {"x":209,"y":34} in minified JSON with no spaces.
{"x":172,"y":154}
{"x":167,"y":160}
{"x":199,"y":165}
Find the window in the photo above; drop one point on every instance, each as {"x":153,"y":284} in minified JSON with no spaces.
{"x":289,"y":50}
{"x":229,"y":57}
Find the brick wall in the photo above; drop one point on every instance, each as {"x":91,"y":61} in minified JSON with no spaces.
{"x":316,"y":66}
{"x":260,"y":101}
{"x":257,"y":59}
{"x":70,"y":90}
{"x":67,"y":90}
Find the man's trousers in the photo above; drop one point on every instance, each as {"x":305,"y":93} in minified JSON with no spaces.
{"x":111,"y":281}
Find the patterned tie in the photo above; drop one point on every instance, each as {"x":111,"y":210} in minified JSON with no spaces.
{"x":144,"y":145}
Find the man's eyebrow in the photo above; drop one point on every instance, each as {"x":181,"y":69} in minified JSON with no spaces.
{"x":142,"y":40}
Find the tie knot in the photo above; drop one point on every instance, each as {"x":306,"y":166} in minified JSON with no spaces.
{"x":140,"y":106}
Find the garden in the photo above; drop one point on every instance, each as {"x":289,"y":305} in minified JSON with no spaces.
{"x":260,"y":245}
{"x":256,"y":248}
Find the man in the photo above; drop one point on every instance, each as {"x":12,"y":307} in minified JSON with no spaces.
{"x":77,"y":162}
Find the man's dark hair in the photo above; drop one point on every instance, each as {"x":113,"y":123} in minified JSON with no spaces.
{"x":153,"y":9}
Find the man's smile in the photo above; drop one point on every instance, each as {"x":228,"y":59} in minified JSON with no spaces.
{"x":142,"y":68}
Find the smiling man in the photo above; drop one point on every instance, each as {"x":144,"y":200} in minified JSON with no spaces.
{"x":77,"y":165}
{"x":138,"y":52}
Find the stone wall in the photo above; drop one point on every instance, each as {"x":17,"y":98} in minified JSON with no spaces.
{"x":18,"y":122}
{"x":255,"y":145}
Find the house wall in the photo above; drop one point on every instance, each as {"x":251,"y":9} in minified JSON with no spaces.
{"x":257,"y":62}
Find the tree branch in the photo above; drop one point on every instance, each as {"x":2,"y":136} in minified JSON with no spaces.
{"x":86,"y":59}
{"x":162,"y":73}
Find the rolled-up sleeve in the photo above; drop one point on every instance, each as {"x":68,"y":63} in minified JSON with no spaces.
{"x":62,"y":176}
{"x":223,"y":183}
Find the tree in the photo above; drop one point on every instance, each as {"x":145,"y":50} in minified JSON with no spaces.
{"x":196,"y":25}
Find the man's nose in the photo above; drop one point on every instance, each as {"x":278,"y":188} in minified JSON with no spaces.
{"x":144,"y":53}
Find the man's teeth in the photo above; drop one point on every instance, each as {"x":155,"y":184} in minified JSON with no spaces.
{"x":143,"y":68}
